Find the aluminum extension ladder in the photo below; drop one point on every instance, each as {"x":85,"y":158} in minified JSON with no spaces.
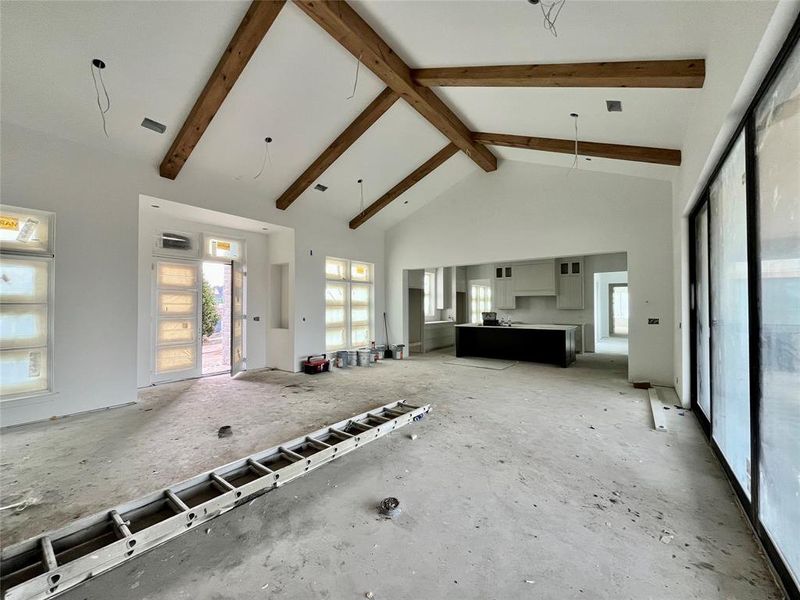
{"x":46,"y":565}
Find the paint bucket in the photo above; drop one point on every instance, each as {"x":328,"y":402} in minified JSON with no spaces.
{"x":364,"y":357}
{"x":398,"y":351}
{"x":352,"y":358}
{"x":377,"y":353}
{"x":341,"y":359}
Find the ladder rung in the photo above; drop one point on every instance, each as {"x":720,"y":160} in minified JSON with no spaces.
{"x":222,"y":482}
{"x":360,"y":426}
{"x":289,"y":454}
{"x":178,"y":504}
{"x":380,"y":418}
{"x":394,"y":411}
{"x":340,"y":432}
{"x":317,"y":443}
{"x":257,"y":466}
{"x":121,"y":526}
{"x":48,"y":555}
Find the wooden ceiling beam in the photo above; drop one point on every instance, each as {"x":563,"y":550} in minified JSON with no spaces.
{"x":415,"y":177}
{"x":645,"y":154}
{"x":345,"y":25}
{"x":248,"y":36}
{"x":338,"y":147}
{"x":629,"y":74}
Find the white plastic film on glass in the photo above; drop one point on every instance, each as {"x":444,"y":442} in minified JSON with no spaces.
{"x":176,"y":275}
{"x":177,"y":303}
{"x":703,"y":323}
{"x":23,"y":371}
{"x":175,"y":358}
{"x":176,"y":330}
{"x":23,"y":280}
{"x":22,"y":230}
{"x":23,"y":326}
{"x":730,"y":366}
{"x":335,"y":269}
{"x":778,"y":167}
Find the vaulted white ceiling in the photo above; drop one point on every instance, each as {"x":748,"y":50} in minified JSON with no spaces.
{"x":295,"y":88}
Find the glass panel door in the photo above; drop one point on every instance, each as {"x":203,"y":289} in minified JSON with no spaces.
{"x":730,"y":366}
{"x":702,"y":323}
{"x":237,"y":319}
{"x":177,"y":322}
{"x":777,"y":159}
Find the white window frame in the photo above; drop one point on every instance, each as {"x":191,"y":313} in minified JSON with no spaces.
{"x":344,"y":277}
{"x":44,"y":254}
{"x":479,"y":306}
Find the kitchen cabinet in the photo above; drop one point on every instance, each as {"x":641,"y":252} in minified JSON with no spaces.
{"x":570,"y":283}
{"x":504,"y":295}
{"x":535,"y":279}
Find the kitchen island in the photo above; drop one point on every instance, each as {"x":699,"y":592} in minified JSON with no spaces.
{"x":553,"y":344}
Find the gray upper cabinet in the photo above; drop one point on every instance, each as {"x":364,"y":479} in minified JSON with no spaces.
{"x":570,"y":283}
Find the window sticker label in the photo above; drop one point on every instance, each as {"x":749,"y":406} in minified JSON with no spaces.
{"x":11,"y":223}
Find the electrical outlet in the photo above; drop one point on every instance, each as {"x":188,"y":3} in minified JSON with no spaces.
{"x":652,"y":321}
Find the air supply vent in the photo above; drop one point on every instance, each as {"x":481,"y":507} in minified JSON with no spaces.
{"x":320,"y":188}
{"x":153,"y":125}
{"x":175,"y":241}
{"x":614,"y":105}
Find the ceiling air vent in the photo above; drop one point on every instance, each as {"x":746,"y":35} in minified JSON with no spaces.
{"x":320,"y":188}
{"x":614,"y":105}
{"x":153,"y":125}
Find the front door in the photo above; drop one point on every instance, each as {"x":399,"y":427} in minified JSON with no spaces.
{"x":177,"y":320}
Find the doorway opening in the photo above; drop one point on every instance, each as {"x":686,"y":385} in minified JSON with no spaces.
{"x":216,"y":318}
{"x":611,"y":312}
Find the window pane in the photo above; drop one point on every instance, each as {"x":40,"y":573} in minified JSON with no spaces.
{"x":177,"y":303}
{"x":335,"y":295}
{"x":360,"y":336}
{"x":335,"y":338}
{"x":360,"y":316}
{"x":177,"y":275}
{"x":176,"y":330}
{"x":334,"y":316}
{"x":175,"y":358}
{"x":361,"y":272}
{"x":221,"y":248}
{"x":23,"y":371}
{"x":777,"y":159}
{"x":730,"y":380}
{"x":24,"y":231}
{"x":23,"y":326}
{"x":23,"y":280}
{"x":335,"y":268}
{"x":360,"y":294}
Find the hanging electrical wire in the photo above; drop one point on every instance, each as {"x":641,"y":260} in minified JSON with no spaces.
{"x":550,"y":12}
{"x":99,"y":65}
{"x":575,"y":159}
{"x":267,"y":156}
{"x":361,"y":185}
{"x":355,"y":83}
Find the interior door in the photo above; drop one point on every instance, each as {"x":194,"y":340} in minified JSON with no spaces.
{"x":238,"y":360}
{"x":177,"y":307}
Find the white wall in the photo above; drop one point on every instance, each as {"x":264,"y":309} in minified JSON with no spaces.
{"x":739,"y":56}
{"x":151,"y":222}
{"x":601,"y":308}
{"x":524,"y":211}
{"x":95,"y":196}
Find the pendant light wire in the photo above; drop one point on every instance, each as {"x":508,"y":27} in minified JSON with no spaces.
{"x":361,"y":185}
{"x":575,"y":159}
{"x":267,"y":156}
{"x":355,"y":83}
{"x":102,"y":110}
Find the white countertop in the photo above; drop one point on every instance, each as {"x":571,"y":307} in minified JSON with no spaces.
{"x":439,"y":322}
{"x":521,"y":326}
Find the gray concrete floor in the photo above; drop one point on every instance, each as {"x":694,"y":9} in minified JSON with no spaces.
{"x":532,"y":481}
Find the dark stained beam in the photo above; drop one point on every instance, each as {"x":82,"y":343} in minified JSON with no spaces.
{"x":645,"y":154}
{"x":630,"y":74}
{"x":415,"y":177}
{"x":338,"y":147}
{"x":248,"y":36}
{"x":344,"y":24}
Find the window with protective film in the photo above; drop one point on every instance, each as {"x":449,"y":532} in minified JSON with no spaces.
{"x":26,"y":307}
{"x":349,"y":304}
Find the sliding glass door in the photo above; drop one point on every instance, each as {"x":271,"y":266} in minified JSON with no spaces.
{"x":745,"y":283}
{"x":777,"y":126}
{"x":730,"y":382}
